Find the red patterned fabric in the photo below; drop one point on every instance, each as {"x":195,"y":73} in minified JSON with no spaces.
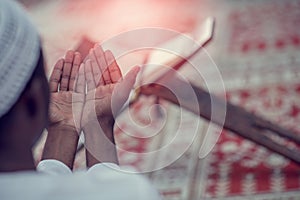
{"x":238,"y":166}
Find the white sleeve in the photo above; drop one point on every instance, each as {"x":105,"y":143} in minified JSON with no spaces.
{"x":105,"y":180}
{"x":53,"y":167}
{"x":127,"y":183}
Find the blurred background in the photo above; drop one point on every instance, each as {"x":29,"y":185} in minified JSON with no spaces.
{"x":256,"y":47}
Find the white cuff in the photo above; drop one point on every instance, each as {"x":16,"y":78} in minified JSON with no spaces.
{"x":103,"y":166}
{"x":53,"y":167}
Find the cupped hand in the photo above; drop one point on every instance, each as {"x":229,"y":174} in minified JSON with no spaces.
{"x":107,"y":90}
{"x":67,"y":89}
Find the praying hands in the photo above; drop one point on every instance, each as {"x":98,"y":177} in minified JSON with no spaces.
{"x":84,"y":97}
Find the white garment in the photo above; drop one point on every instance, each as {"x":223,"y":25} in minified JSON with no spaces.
{"x":19,"y":52}
{"x":55,"y":181}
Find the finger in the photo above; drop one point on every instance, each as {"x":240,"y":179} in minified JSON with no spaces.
{"x":55,"y":77}
{"x":114,"y":69}
{"x":96,"y":69}
{"x":124,"y":87}
{"x":74,"y":72}
{"x":89,"y":75}
{"x":80,"y":81}
{"x":130,"y":77}
{"x":122,"y":90}
{"x":64,"y":86}
{"x":98,"y":51}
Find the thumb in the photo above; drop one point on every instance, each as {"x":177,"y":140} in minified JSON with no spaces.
{"x":130,"y":78}
{"x":123,"y":89}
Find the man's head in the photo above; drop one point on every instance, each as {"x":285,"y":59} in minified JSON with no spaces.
{"x":24,"y":95}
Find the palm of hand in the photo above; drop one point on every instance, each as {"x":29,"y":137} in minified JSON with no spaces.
{"x":66,"y":108}
{"x":71,"y":106}
{"x":66,"y":100}
{"x":98,"y":104}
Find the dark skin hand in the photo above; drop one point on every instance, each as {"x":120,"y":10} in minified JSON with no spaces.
{"x":107,"y":91}
{"x":73,"y":109}
{"x":66,"y":103}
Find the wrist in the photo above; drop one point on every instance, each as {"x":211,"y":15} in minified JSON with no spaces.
{"x":61,"y":144}
{"x":61,"y":126}
{"x":103,"y":122}
{"x":106,"y":121}
{"x":100,"y":142}
{"x":99,"y":129}
{"x":63,"y":134}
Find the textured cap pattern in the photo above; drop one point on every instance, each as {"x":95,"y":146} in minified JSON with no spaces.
{"x":19,"y":52}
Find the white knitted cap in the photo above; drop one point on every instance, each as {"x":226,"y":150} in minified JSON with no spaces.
{"x":19,"y":53}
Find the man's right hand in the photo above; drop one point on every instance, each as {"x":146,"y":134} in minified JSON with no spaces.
{"x":67,"y":86}
{"x":67,"y":93}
